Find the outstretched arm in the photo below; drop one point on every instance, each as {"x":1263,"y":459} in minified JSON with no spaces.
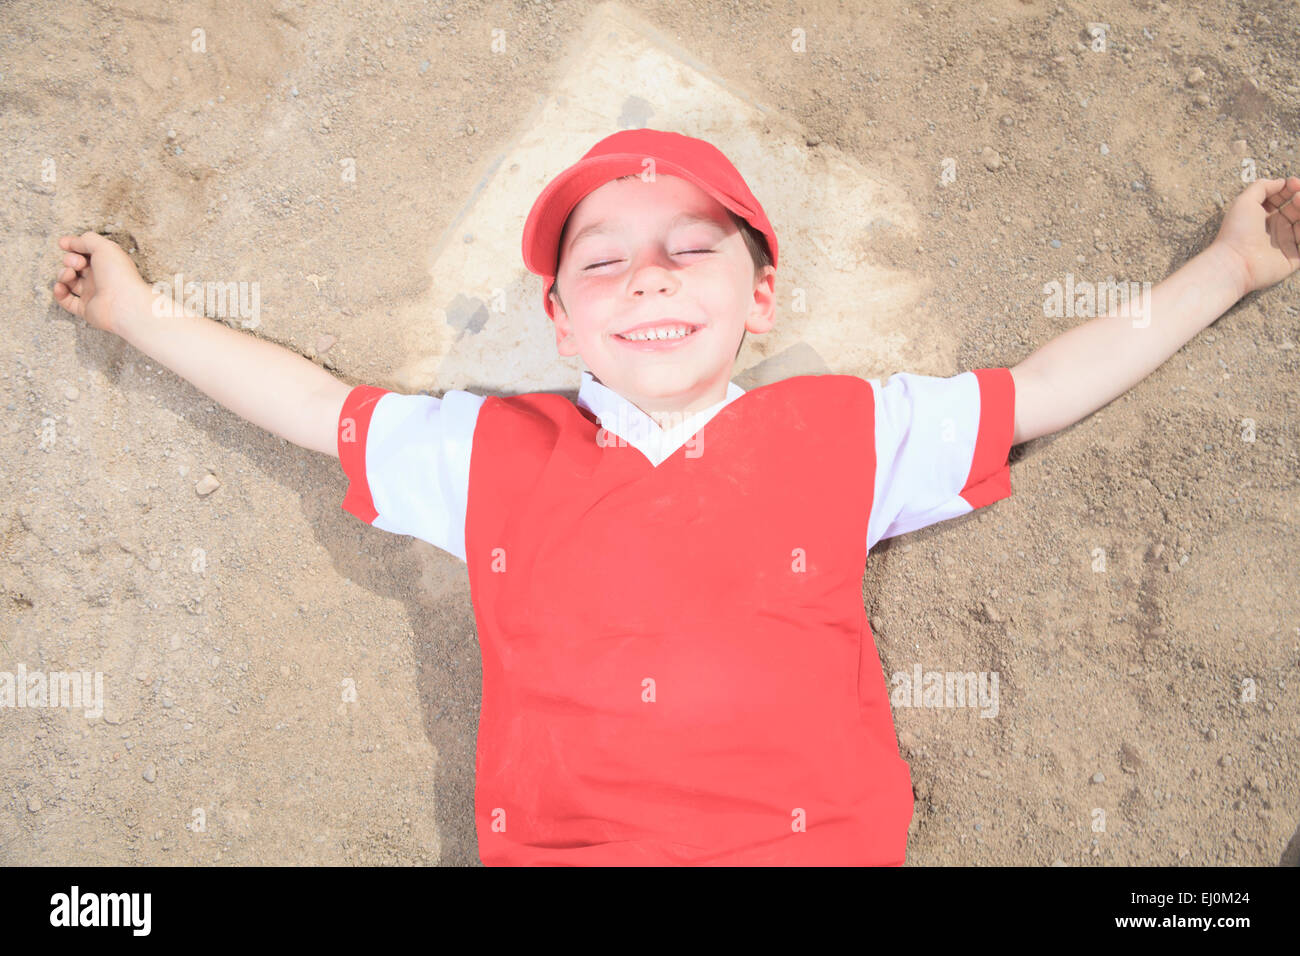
{"x":1088,"y":366}
{"x":260,"y":381}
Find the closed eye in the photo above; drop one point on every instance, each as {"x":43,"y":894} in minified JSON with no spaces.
{"x":688,"y":252}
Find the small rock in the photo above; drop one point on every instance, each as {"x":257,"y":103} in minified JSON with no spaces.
{"x":1239,"y":147}
{"x":1129,"y":760}
{"x":991,"y":158}
{"x":1195,"y":76}
{"x":1200,"y":99}
{"x":1098,"y":777}
{"x":34,"y":803}
{"x":71,"y":393}
{"x":1259,"y":783}
{"x":155,"y":563}
{"x":150,"y":774}
{"x":907,"y":740}
{"x":1105,"y":150}
{"x":424,"y":66}
{"x":1225,"y":760}
{"x":323,"y":344}
{"x":1055,"y":243}
{"x":206,"y":485}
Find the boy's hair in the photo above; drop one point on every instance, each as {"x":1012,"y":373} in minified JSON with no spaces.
{"x":755,"y":242}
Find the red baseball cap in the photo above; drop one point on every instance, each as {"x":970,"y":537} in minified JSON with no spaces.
{"x":618,"y":155}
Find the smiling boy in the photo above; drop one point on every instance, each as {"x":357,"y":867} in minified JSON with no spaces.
{"x":677,"y":663}
{"x":651,"y":229}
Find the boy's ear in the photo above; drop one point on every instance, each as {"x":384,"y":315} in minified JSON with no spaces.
{"x":762,"y":313}
{"x":565,"y":342}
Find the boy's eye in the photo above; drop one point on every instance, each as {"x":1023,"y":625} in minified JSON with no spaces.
{"x":688,"y":252}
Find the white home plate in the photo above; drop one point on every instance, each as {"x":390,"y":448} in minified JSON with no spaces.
{"x":837,"y":310}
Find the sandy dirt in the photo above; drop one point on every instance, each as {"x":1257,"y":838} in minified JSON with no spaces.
{"x":230,"y":626}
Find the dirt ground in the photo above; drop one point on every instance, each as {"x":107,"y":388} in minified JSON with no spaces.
{"x":230,"y":626}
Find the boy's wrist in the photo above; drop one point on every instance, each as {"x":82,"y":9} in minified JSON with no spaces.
{"x":1233,"y":263}
{"x":144,"y":307}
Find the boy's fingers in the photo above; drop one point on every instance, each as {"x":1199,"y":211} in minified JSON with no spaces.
{"x":75,"y":244}
{"x":1275,"y":200}
{"x":86,"y":243}
{"x":65,"y":298}
{"x":75,"y":260}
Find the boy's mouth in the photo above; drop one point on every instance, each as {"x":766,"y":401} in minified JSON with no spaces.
{"x":659,"y":333}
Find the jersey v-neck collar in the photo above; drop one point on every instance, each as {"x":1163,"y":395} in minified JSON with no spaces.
{"x":614,"y":412}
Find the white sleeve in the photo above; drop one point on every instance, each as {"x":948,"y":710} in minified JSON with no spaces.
{"x":407,"y":461}
{"x":942,"y":447}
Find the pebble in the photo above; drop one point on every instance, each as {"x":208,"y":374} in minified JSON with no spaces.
{"x":1239,"y":147}
{"x":1200,"y":99}
{"x":323,"y":344}
{"x":206,"y":485}
{"x":34,"y":803}
{"x":1259,"y":783}
{"x":1225,"y":760}
{"x":150,"y":774}
{"x":71,"y":393}
{"x":991,"y":158}
{"x":1056,"y":243}
{"x":1105,"y":150}
{"x":1098,"y":777}
{"x":424,"y":66}
{"x":1195,"y":76}
{"x":155,"y":563}
{"x":969,"y":752}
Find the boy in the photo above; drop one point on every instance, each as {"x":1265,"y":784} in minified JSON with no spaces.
{"x":677,"y":664}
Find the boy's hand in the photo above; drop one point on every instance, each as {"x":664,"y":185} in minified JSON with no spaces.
{"x":100,"y":282}
{"x":1262,"y":228}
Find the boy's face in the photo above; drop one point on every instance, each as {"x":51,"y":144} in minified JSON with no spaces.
{"x":644,"y":263}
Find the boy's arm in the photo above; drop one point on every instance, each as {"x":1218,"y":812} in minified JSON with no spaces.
{"x":264,"y":383}
{"x":260,"y":381}
{"x":1088,"y":366}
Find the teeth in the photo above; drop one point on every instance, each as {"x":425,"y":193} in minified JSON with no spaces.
{"x":667,"y":332}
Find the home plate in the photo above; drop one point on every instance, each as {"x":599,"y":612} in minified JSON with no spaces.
{"x":837,"y":312}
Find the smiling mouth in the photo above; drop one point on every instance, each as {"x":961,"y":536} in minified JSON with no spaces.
{"x":690,"y":330}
